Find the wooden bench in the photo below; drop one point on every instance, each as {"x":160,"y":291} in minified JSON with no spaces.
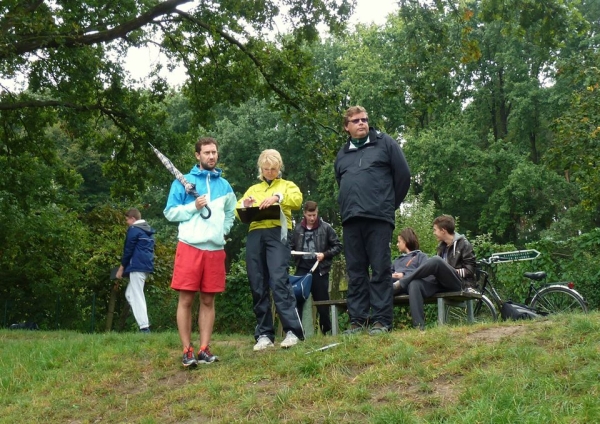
{"x":443,"y":299}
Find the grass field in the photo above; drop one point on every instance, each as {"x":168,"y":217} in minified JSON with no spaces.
{"x":545,"y":371}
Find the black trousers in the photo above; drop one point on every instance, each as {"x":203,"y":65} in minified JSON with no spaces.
{"x":267,"y":260}
{"x":319,"y":291}
{"x":367,"y":246}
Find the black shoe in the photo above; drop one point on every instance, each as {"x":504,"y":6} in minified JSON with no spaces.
{"x":188,"y":360}
{"x":378,"y":328}
{"x":145,"y":330}
{"x":354,"y":329}
{"x":205,"y":357}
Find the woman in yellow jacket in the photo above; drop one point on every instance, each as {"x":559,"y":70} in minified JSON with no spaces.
{"x":268,"y":253}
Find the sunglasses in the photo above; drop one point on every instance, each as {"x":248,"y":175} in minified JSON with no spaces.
{"x":357,"y":120}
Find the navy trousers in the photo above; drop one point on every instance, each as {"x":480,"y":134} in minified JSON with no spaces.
{"x":370,"y":294}
{"x":267,"y":260}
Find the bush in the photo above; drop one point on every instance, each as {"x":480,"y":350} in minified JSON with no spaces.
{"x":235,"y":312}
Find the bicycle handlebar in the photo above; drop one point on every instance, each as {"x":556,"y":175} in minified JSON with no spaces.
{"x":489,"y":261}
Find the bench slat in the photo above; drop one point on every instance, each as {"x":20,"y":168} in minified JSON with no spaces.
{"x":403,"y":299}
{"x":442,"y":299}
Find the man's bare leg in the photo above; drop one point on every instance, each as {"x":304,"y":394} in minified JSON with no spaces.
{"x":206,"y":317}
{"x":184,"y":316}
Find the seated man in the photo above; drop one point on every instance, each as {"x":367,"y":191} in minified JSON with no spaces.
{"x":453,"y":269}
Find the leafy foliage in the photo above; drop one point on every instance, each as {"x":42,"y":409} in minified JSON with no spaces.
{"x":495,"y":105}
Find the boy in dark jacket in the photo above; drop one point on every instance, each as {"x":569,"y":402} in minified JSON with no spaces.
{"x":137,"y":262}
{"x":315,"y":235}
{"x":453,"y":268}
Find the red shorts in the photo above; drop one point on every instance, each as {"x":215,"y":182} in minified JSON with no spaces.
{"x":198,"y":270}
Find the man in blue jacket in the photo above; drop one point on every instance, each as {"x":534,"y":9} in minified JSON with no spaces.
{"x":200,"y":256}
{"x":137,"y":262}
{"x":373,"y":178}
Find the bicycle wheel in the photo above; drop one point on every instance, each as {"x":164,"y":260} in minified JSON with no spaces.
{"x":558,"y":299}
{"x":483,"y":311}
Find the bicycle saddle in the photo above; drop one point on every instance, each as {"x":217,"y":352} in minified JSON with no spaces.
{"x":537,"y":276}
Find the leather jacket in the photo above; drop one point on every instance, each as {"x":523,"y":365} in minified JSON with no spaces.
{"x":326,"y":241}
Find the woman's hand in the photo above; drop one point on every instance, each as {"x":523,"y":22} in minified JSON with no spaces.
{"x":248,"y":202}
{"x":269,"y":201}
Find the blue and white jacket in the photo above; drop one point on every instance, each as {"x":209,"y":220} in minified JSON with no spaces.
{"x":205,"y":234}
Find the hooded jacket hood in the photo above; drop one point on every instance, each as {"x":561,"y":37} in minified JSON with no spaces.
{"x":143,"y":225}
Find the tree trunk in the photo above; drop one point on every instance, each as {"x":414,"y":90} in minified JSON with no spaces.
{"x":111,"y":306}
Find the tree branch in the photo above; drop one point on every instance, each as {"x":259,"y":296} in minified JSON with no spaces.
{"x":248,"y":53}
{"x":58,"y":103}
{"x":8,"y":21}
{"x":120,"y":31}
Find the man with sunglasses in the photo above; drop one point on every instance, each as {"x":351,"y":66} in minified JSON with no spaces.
{"x":373,"y":179}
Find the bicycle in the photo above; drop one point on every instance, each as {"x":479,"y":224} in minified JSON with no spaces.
{"x":543,"y":298}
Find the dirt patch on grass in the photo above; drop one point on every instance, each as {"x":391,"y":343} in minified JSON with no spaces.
{"x":497,"y":333}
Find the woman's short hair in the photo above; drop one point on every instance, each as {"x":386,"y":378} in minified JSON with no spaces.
{"x":269,"y":158}
{"x":410,"y":239}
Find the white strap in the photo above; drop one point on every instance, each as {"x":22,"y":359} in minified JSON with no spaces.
{"x":314,"y":266}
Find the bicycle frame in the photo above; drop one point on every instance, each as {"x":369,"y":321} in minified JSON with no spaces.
{"x":544,"y":298}
{"x":537,"y":288}
{"x":487,"y":288}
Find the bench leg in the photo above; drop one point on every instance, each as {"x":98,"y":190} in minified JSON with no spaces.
{"x":470,"y":316}
{"x":307,"y":317}
{"x":334,"y":321}
{"x":441,"y":311}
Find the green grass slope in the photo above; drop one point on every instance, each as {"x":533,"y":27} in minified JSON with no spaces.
{"x":544,"y":371}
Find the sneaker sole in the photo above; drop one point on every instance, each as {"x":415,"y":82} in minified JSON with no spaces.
{"x":288,"y":346}
{"x":353,"y":332}
{"x":208,"y":362}
{"x":263,"y":348}
{"x":192,"y":365}
{"x":377,"y":332}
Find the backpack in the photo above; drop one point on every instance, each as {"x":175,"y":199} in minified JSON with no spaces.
{"x":301,"y":285}
{"x":516,"y":311}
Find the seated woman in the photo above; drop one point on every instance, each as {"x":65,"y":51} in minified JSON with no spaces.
{"x":411,"y":258}
{"x":452,"y":269}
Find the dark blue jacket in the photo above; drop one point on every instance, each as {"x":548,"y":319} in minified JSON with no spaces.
{"x":138,"y":253}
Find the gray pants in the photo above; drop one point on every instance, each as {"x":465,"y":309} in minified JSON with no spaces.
{"x":420,"y":285}
{"x":267,"y":260}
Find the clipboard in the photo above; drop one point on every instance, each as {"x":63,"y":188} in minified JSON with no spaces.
{"x":248,"y":215}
